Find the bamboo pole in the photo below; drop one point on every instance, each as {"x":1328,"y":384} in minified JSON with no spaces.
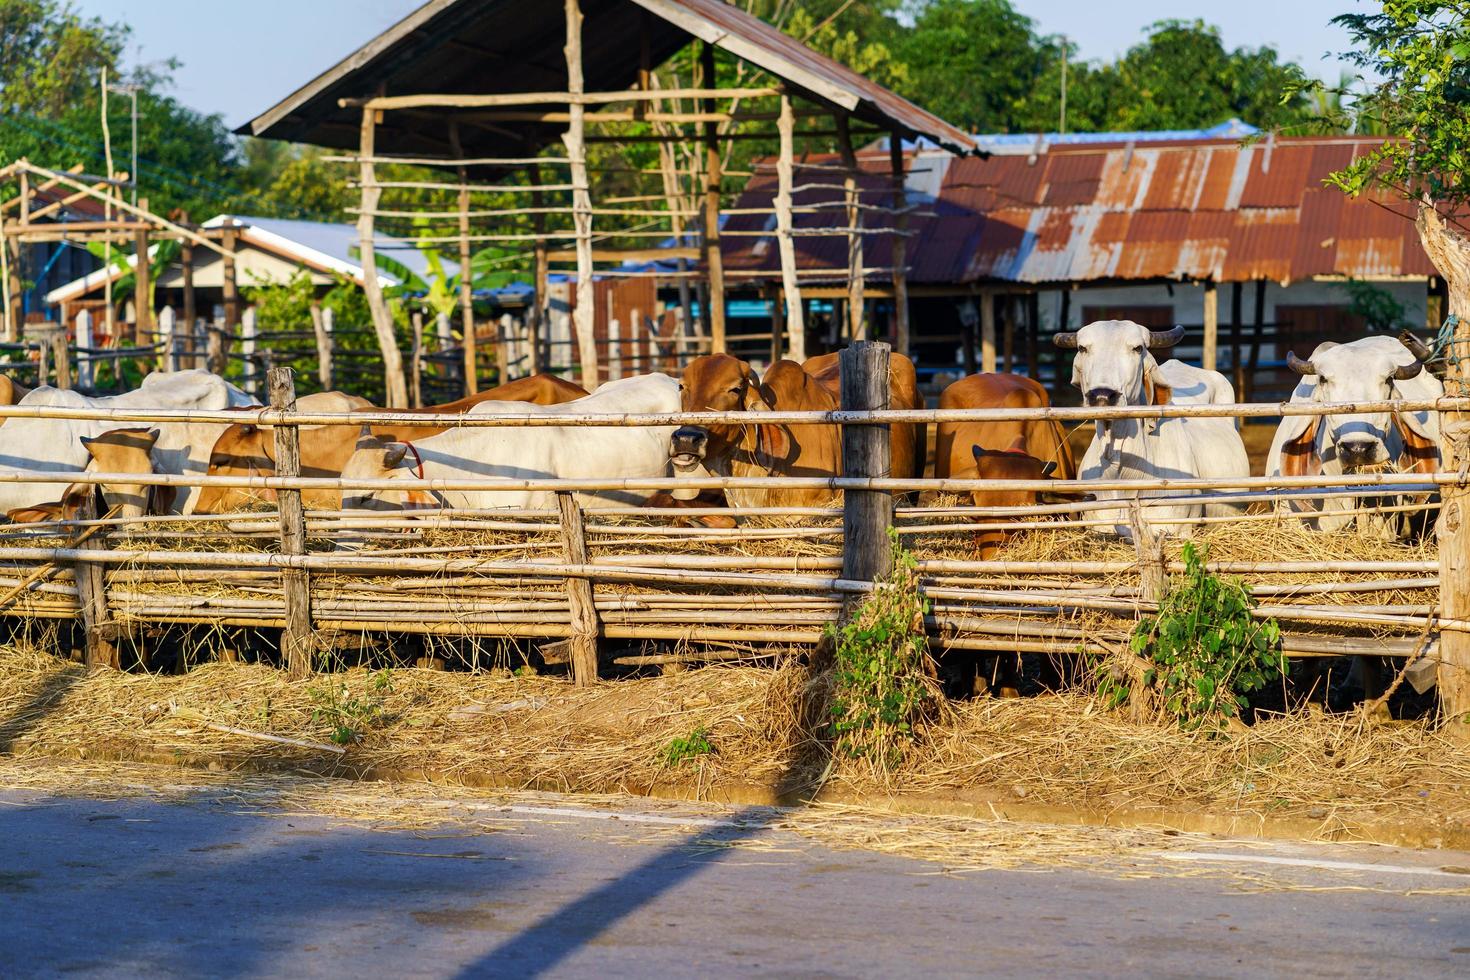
{"x":536,"y":324}
{"x":466,"y":298}
{"x":396,"y":388}
{"x":790,"y":286}
{"x":585,"y":625}
{"x":853,"y":231}
{"x":714,"y":259}
{"x":584,"y":313}
{"x":573,"y":96}
{"x":98,"y":630}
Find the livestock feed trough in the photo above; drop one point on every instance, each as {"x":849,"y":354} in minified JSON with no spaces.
{"x":585,"y":579}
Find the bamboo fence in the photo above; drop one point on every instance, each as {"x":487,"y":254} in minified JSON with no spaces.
{"x":620,"y":585}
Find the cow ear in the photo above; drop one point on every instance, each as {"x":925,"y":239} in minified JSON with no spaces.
{"x":75,"y":498}
{"x":393,"y":454}
{"x":161,"y":499}
{"x":34,"y":514}
{"x":1420,"y":454}
{"x":1298,"y":453}
{"x":1048,"y":468}
{"x":777,"y":440}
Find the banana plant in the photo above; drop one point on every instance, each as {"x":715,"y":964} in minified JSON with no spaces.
{"x":163,"y":255}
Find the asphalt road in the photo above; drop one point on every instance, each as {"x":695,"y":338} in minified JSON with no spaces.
{"x":208,"y":883}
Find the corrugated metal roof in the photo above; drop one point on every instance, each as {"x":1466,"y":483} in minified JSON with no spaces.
{"x":1129,"y":210}
{"x":496,"y":46}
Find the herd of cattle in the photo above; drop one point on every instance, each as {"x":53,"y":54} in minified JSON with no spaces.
{"x":1114,"y":365}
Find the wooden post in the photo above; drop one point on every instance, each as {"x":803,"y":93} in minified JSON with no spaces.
{"x":1033,"y":334}
{"x":855,"y":303}
{"x":504,"y":349}
{"x":585,"y":312}
{"x":585,"y":624}
{"x":1237,"y":364}
{"x":14,"y":295}
{"x":1008,"y":337}
{"x":466,"y":285}
{"x":297,"y":642}
{"x":230,"y":288}
{"x":416,"y":372}
{"x":987,"y":331}
{"x":899,"y":250}
{"x":772,"y":294}
{"x":247,"y":351}
{"x":168,"y":356}
{"x":713,"y":169}
{"x":536,"y":323}
{"x":190,"y":310}
{"x":1212,"y":326}
{"x":142,"y":292}
{"x":395,"y":386}
{"x":85,"y":377}
{"x":1255,"y":358}
{"x":790,"y":287}
{"x":866,"y":452}
{"x":614,"y":349}
{"x":99,"y":631}
{"x":319,"y":326}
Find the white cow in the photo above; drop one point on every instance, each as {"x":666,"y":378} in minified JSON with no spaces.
{"x":1115,"y":366}
{"x":525,"y":453}
{"x":55,"y":445}
{"x":1371,"y":369}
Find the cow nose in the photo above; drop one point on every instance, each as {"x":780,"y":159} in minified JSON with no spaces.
{"x":1357,"y":452}
{"x":1102,"y":397}
{"x":689,"y":440}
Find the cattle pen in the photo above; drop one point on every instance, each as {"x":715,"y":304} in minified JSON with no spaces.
{"x":621,"y":588}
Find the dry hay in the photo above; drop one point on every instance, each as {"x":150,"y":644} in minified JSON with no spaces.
{"x":1338,"y":773}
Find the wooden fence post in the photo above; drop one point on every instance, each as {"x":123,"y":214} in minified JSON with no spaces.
{"x":142,"y":293}
{"x":866,"y":452}
{"x":585,"y":624}
{"x":505,"y":351}
{"x":217,"y":345}
{"x":99,"y":632}
{"x":987,"y":331}
{"x":85,"y":376}
{"x":321,"y":325}
{"x":168,"y":358}
{"x":416,"y":365}
{"x":297,"y":642}
{"x":247,"y":348}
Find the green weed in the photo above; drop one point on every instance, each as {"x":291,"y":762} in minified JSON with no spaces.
{"x":687,"y":748}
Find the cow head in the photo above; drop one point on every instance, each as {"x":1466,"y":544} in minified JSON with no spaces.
{"x":715,"y":383}
{"x":1372,"y":369}
{"x":1011,"y":463}
{"x":378,"y":459}
{"x":243,"y":449}
{"x":117,"y":451}
{"x":1115,"y":361}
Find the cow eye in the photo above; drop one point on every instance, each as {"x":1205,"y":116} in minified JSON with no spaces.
{"x":737,"y":389}
{"x":1138,"y":348}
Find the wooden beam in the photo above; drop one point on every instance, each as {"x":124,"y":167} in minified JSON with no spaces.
{"x":899,"y":257}
{"x":1212,"y":326}
{"x":580,"y":598}
{"x":466,"y":297}
{"x":394,"y":383}
{"x":536,"y":321}
{"x":584,"y":313}
{"x":786,"y":245}
{"x":142,"y":303}
{"x":1237,"y":366}
{"x":625,"y":254}
{"x":714,"y":261}
{"x":298,"y":642}
{"x":855,"y":303}
{"x":573,"y":96}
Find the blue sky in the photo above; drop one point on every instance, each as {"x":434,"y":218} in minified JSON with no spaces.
{"x":238,"y":59}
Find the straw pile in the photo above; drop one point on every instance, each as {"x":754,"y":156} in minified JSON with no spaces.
{"x":498,"y":729}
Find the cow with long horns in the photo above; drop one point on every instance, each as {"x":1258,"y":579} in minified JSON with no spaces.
{"x":1373,"y":369}
{"x":1115,"y":366}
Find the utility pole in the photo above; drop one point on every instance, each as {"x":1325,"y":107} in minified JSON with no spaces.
{"x":1062,"y":124}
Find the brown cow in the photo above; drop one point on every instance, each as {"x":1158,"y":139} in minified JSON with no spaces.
{"x":10,"y":392}
{"x":249,"y":450}
{"x":1000,"y":450}
{"x":721,"y":383}
{"x":117,"y":451}
{"x":909,"y":439}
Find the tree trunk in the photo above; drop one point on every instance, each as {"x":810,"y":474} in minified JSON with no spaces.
{"x":1450,"y":253}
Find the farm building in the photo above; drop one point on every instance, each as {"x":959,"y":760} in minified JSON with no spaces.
{"x":1051,"y":232}
{"x":427,"y":93}
{"x":267,"y":250}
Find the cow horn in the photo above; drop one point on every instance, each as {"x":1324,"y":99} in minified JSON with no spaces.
{"x":1417,"y":347}
{"x":1406,"y":371}
{"x":1304,"y":368}
{"x":1065,"y":339}
{"x":1165,"y":338}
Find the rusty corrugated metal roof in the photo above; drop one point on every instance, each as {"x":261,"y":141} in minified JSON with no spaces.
{"x":1200,"y":209}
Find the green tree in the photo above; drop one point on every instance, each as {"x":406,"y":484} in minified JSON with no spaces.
{"x":51,"y":57}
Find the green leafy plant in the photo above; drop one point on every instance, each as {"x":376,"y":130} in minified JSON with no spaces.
{"x":350,"y":716}
{"x":1205,"y":651}
{"x":884,"y":686}
{"x":1376,"y":305}
{"x":687,"y":748}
